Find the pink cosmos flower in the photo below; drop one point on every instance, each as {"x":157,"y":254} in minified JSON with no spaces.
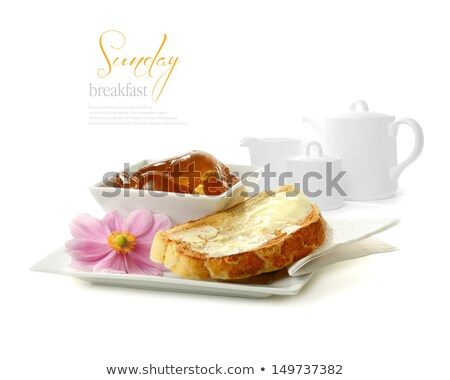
{"x":115,"y":244}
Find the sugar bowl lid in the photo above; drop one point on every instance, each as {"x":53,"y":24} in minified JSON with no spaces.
{"x":309,"y":156}
{"x":360,"y":110}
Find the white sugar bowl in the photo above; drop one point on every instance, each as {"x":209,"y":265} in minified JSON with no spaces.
{"x":318,"y":176}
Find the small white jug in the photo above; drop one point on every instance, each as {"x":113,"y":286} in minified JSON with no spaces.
{"x":367,"y":143}
{"x":273,"y":151}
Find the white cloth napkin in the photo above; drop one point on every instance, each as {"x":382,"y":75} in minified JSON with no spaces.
{"x":346,"y":239}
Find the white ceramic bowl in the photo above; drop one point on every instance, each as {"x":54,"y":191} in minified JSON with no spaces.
{"x":179,"y":207}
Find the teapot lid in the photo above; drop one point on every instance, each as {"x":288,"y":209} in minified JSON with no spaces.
{"x":358,"y":110}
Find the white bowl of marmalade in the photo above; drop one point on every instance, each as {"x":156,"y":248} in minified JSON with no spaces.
{"x":184,"y":187}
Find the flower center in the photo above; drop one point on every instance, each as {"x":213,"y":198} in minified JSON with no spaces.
{"x":121,"y":241}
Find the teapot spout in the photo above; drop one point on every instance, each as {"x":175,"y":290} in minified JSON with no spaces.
{"x":317,"y":127}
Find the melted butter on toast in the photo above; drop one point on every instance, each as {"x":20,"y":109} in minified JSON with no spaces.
{"x":273,"y":215}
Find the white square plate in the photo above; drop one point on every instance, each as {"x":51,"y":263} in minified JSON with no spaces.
{"x":282,"y":284}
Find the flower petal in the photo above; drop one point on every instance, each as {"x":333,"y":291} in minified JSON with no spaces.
{"x":86,"y":253}
{"x":85,"y":266}
{"x":140,"y":264}
{"x":144,"y":243}
{"x":113,"y":220}
{"x":138,"y":223}
{"x":87,"y":250}
{"x":143,"y":247}
{"x":113,"y":263}
{"x":85,"y":226}
{"x":161,"y":222}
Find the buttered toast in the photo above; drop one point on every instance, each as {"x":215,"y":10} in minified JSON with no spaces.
{"x":262,"y":234}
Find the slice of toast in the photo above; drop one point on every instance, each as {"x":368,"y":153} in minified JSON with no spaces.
{"x":262,"y":234}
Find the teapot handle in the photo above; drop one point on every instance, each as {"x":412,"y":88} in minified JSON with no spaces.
{"x":418,"y":145}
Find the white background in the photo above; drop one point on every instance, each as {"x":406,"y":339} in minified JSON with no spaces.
{"x":247,"y":68}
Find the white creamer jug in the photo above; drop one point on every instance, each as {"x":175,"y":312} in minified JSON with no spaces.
{"x":273,"y":151}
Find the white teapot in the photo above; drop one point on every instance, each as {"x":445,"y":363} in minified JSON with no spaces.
{"x":367,"y":143}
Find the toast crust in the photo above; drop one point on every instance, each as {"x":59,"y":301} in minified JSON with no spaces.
{"x":179,"y":257}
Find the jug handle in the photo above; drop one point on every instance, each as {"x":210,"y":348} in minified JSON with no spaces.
{"x":418,"y":145}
